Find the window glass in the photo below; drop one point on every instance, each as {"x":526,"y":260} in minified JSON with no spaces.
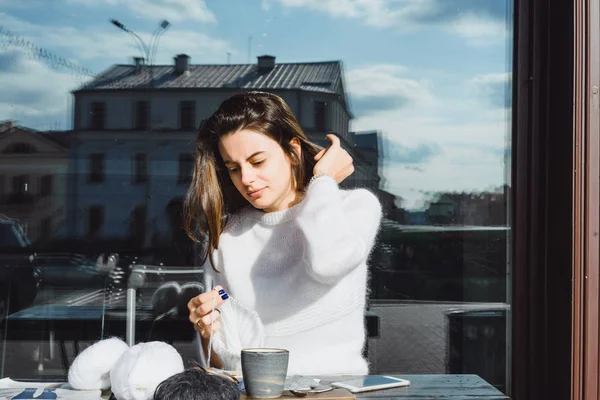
{"x":97,"y":115}
{"x":96,"y":172}
{"x":98,"y":124}
{"x":186,"y":168}
{"x":142,"y":114}
{"x":140,"y":173}
{"x":188,"y":114}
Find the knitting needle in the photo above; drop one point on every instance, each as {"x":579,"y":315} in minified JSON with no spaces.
{"x":199,"y":347}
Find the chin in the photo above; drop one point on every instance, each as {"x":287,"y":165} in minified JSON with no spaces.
{"x":260,"y":203}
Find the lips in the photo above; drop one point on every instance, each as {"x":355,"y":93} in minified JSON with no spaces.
{"x":256,"y":193}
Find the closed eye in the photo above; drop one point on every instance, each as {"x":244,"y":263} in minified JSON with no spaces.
{"x":236,"y":168}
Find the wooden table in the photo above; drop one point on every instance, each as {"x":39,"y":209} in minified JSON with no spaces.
{"x":423,"y":387}
{"x":446,"y":387}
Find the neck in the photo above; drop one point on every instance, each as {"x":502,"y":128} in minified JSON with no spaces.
{"x":291,"y":199}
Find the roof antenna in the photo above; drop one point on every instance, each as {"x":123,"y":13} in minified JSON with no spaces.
{"x":249,"y":48}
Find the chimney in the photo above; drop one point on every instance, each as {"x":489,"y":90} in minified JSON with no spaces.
{"x":266,"y":63}
{"x":139,"y":63}
{"x":182,"y":63}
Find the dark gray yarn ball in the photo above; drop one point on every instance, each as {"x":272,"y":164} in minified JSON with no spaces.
{"x":196,"y":384}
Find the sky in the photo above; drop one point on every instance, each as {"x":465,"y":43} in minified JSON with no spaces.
{"x":433,"y":76}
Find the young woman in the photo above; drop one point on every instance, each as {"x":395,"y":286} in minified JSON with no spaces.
{"x":288,"y":263}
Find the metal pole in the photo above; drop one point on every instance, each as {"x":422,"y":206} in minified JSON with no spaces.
{"x":130,"y":319}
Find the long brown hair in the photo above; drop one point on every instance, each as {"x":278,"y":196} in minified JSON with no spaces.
{"x":212,"y":196}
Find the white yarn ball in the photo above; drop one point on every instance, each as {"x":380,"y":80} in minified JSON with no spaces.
{"x":142,"y":368}
{"x":91,"y":368}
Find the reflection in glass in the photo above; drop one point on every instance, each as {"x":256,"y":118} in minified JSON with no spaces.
{"x":97,"y":154}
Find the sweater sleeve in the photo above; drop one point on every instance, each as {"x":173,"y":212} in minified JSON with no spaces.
{"x":339,"y":232}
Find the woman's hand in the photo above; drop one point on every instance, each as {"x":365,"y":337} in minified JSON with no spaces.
{"x":201,"y":314}
{"x":334,"y":161}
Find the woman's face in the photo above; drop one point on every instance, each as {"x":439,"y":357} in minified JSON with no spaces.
{"x":260,"y":169}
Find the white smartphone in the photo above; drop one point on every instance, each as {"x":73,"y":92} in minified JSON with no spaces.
{"x":373,"y":382}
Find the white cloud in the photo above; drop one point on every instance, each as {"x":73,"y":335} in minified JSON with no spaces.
{"x":413,"y":127}
{"x":480,"y":82}
{"x":447,"y":142}
{"x":94,"y":44}
{"x":495,"y":88}
{"x":34,"y":92}
{"x":470,"y":157}
{"x":172,"y":10}
{"x":441,"y":174}
{"x":479,"y":30}
{"x":407,"y":15}
{"x":119,"y":47}
{"x":384,"y":86}
{"x":376,"y":13}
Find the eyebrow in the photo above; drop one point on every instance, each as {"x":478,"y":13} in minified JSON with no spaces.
{"x":252,"y":156}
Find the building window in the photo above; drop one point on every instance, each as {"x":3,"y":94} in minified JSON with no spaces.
{"x":142,"y":115}
{"x":186,"y":168}
{"x":20,"y":184}
{"x":96,"y":171}
{"x":46,"y":185}
{"x":137,"y":226}
{"x":46,"y":229}
{"x":95,"y":220}
{"x":97,"y":115}
{"x":20,"y":147}
{"x":140,"y":168}
{"x":320,"y":115}
{"x":187,"y":115}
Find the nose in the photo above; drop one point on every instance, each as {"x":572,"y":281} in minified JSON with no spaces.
{"x":248,"y":176}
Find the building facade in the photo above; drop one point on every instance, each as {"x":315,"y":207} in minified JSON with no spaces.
{"x":33,"y":180}
{"x":135,"y":130}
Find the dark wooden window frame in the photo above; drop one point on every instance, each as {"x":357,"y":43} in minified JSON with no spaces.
{"x":554,"y":174}
{"x":586,"y":202}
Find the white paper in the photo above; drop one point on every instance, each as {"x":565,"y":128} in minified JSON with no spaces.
{"x":15,"y":390}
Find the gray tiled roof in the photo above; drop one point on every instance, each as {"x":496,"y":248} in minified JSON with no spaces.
{"x":61,"y":138}
{"x":319,"y":76}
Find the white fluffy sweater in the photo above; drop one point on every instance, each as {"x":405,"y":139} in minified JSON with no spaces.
{"x":297,"y":280}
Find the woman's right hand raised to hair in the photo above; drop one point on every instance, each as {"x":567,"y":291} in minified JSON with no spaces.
{"x":202,"y":314}
{"x":334,"y":161}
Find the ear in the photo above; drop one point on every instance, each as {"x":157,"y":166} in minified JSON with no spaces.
{"x":295,"y":143}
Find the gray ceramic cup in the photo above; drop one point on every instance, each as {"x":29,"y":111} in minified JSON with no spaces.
{"x":264,"y":371}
